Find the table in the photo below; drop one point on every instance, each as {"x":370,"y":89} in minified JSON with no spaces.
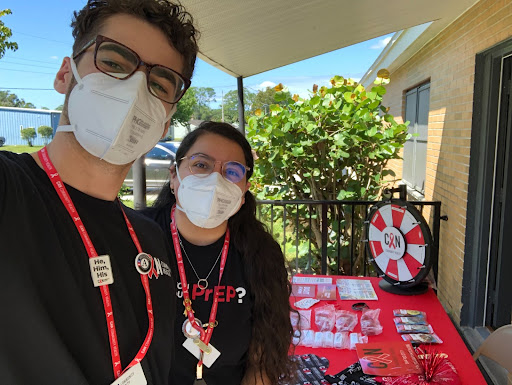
{"x":453,"y":345}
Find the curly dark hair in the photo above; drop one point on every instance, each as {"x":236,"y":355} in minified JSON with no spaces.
{"x":264,"y":266}
{"x":172,"y":19}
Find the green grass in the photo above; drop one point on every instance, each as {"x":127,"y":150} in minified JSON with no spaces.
{"x":20,"y":149}
{"x":129,"y":202}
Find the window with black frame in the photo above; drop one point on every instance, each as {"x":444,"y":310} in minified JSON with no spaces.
{"x":417,"y":105}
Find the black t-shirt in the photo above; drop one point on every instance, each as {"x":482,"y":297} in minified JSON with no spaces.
{"x":233,"y":333}
{"x":52,"y":323}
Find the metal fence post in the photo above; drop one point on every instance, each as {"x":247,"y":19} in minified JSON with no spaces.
{"x":324,"y":238}
{"x":139,"y":183}
{"x":435,"y":234}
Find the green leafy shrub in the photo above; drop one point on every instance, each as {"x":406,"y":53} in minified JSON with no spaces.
{"x":46,"y":132}
{"x":333,"y":146}
{"x":28,"y":134}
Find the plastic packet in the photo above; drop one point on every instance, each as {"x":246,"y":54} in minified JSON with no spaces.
{"x":328,"y":340}
{"x":422,"y":338}
{"x":294,"y":319}
{"x":325,"y":317}
{"x":319,"y":340}
{"x":305,"y":319}
{"x":341,"y":340}
{"x":408,"y":313}
{"x":370,"y":324}
{"x":346,"y":320}
{"x":427,"y":329}
{"x":357,"y":338}
{"x":419,"y":320}
{"x":306,"y":337}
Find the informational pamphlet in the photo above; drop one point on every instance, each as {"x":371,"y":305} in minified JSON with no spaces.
{"x":326,"y":291}
{"x":356,"y":289}
{"x":390,"y":358}
{"x":311,"y":280}
{"x":303,"y":290}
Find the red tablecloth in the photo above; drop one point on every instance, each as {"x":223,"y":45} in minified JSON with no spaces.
{"x":452,"y":343}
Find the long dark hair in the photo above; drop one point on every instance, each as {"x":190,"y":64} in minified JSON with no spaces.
{"x":264,"y":267}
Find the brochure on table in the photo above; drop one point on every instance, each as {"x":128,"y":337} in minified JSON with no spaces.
{"x":323,"y":288}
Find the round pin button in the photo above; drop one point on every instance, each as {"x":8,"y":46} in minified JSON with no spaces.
{"x":143,"y":263}
{"x":189,"y":331}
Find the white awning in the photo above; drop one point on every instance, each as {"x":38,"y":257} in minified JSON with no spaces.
{"x":247,"y":37}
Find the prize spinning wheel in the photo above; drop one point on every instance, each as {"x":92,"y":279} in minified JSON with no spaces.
{"x":399,"y":245}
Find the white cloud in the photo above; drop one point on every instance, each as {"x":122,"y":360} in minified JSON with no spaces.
{"x":54,"y":57}
{"x":266,"y":84}
{"x":381,"y":43}
{"x":301,"y":85}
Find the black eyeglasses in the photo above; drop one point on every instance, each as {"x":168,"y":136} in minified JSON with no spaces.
{"x":120,"y":62}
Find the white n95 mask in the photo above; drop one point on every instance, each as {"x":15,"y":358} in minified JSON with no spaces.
{"x":115,"y":120}
{"x":208,"y":201}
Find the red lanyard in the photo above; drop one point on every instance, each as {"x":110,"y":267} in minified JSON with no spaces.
{"x":205,"y":337}
{"x":91,"y":251}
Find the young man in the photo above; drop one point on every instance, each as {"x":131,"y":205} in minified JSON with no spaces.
{"x":87,"y":292}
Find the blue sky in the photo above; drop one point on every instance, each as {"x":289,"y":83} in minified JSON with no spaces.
{"x":43,"y":34}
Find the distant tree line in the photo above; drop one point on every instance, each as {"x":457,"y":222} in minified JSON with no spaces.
{"x":197,"y":102}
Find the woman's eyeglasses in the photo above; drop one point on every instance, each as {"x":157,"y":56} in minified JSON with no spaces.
{"x":120,"y":62}
{"x":202,"y":165}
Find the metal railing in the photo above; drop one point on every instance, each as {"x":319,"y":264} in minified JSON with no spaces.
{"x":285,"y":221}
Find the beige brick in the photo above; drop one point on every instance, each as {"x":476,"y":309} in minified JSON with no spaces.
{"x":449,"y":61}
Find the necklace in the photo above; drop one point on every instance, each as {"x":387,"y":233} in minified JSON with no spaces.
{"x":202,"y":283}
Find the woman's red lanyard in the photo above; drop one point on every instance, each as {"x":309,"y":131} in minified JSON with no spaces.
{"x":204,"y":336}
{"x":91,"y":251}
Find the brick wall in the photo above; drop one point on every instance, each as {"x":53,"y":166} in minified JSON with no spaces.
{"x":448,"y":61}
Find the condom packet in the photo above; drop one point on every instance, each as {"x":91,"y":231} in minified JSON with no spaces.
{"x":341,"y":340}
{"x":318,"y":342}
{"x":306,"y":338}
{"x":328,"y":340}
{"x":408,"y":313}
{"x":357,"y":338}
{"x":323,"y":340}
{"x":325,"y":318}
{"x":419,"y":320}
{"x":426,"y":329}
{"x":346,"y":320}
{"x":422,"y":338}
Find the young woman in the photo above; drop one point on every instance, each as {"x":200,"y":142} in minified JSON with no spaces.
{"x":236,"y":285}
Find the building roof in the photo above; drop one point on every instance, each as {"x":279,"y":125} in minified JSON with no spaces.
{"x":28,"y":109}
{"x":404,"y":44}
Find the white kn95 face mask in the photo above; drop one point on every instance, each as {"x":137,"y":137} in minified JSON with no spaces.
{"x":115,"y":120}
{"x":208,"y":201}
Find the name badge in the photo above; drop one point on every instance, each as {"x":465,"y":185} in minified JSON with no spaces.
{"x":208,"y":359}
{"x":101,"y":271}
{"x":133,"y":376}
